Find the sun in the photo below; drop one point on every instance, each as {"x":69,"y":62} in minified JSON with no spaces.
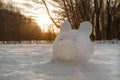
{"x":43,"y":21}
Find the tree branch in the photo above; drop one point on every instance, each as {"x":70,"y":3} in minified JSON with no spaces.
{"x":49,"y":13}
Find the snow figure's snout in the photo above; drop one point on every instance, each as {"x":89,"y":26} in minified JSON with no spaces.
{"x":65,"y":49}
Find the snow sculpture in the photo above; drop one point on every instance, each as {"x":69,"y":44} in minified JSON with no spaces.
{"x":73,"y":45}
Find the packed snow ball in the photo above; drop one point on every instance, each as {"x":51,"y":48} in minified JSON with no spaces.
{"x":73,"y":45}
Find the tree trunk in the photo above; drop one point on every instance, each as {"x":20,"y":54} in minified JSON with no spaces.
{"x":108,"y":29}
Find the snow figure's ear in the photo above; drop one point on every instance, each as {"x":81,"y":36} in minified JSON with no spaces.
{"x":65,"y":26}
{"x":85,"y":27}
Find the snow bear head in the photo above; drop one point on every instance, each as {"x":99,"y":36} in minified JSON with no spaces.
{"x":73,"y":44}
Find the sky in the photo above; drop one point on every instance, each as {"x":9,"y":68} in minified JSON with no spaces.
{"x":35,"y":10}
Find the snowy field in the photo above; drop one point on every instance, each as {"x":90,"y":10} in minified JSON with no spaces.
{"x":32,"y":62}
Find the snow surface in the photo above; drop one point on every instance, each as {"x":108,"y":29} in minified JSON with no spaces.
{"x":32,"y":62}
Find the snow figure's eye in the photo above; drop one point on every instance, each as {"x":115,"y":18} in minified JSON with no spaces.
{"x":74,"y":39}
{"x":61,"y":39}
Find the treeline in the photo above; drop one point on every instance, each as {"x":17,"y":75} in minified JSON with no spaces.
{"x":103,"y":14}
{"x":16,"y":27}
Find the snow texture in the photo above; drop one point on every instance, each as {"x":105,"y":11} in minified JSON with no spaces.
{"x":32,"y":62}
{"x":73,"y":45}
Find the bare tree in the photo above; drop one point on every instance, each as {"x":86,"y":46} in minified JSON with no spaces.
{"x":111,"y":10}
{"x":97,"y":7}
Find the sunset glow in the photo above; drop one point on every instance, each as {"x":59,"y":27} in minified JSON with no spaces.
{"x":35,"y":10}
{"x":43,"y":21}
